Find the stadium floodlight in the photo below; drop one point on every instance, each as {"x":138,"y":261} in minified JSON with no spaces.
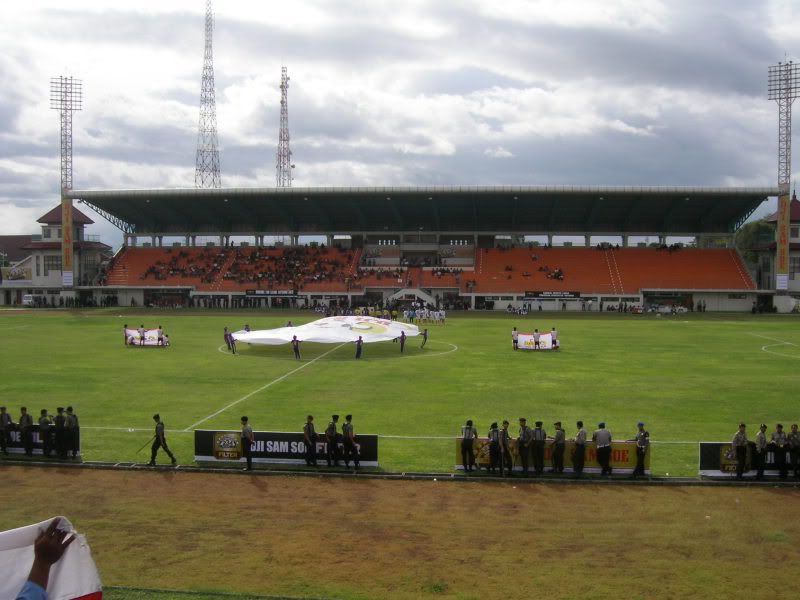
{"x":66,"y":96}
{"x":783,"y":87}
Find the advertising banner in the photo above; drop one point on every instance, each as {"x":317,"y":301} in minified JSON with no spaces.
{"x":525,"y":341}
{"x":16,"y":444}
{"x":623,"y":457}
{"x":550,"y":295}
{"x":719,"y":458}
{"x":277,"y":447}
{"x":270,"y":292}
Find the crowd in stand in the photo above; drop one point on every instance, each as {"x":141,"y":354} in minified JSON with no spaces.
{"x":204,"y":266}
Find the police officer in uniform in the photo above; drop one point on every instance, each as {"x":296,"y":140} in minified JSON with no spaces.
{"x":579,"y":452}
{"x":642,"y":440}
{"x":558,"y":444}
{"x":468,"y":436}
{"x":777,"y":444}
{"x":160,"y":441}
{"x":5,"y":427}
{"x":310,"y":439}
{"x":760,"y":454}
{"x":350,"y":447}
{"x":247,"y":443}
{"x":60,"y":423}
{"x":45,"y":433}
{"x":505,"y":450}
{"x":494,"y":450}
{"x":602,"y":438}
{"x":332,"y":442}
{"x":524,"y":443}
{"x":539,"y":438}
{"x":739,"y":444}
{"x":793,"y":440}
{"x":26,"y":430}
{"x":73,"y":432}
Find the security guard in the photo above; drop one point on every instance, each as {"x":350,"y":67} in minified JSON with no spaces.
{"x":777,"y":444}
{"x":310,"y":439}
{"x":739,"y":444}
{"x":60,"y":423}
{"x":159,"y":441}
{"x":494,"y":450}
{"x":332,"y":442}
{"x":524,"y":444}
{"x":468,"y":436}
{"x":760,"y":454}
{"x":350,"y":447}
{"x":45,"y":433}
{"x":558,"y":445}
{"x":579,"y":452}
{"x":505,"y":450}
{"x":26,"y":430}
{"x":793,"y":439}
{"x":73,"y":432}
{"x":247,"y":443}
{"x":602,"y":438}
{"x":539,"y":438}
{"x":5,"y":427}
{"x":642,"y":440}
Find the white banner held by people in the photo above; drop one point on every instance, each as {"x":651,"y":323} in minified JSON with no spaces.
{"x":526,"y":341}
{"x":331,"y":330}
{"x":74,"y":577}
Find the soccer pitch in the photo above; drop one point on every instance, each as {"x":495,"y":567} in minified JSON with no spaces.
{"x":688,"y":377}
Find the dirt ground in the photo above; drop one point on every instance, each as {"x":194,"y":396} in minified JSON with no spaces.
{"x":345,"y":538}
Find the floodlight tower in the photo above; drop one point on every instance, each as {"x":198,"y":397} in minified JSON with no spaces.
{"x":283,"y":158}
{"x":66,"y":96}
{"x":206,"y":174}
{"x":783,"y":86}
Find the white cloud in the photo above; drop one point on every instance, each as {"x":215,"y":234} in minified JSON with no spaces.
{"x":498,"y":152}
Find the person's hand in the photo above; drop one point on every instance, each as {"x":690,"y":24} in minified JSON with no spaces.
{"x":50,"y":545}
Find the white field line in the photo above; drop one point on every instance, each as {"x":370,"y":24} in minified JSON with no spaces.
{"x":262,"y":388}
{"x":388,"y":437}
{"x":766,"y":347}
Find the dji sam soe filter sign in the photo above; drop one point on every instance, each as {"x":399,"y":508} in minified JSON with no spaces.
{"x":273,"y":447}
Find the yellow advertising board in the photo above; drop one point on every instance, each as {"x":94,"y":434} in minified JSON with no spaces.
{"x":623,"y":456}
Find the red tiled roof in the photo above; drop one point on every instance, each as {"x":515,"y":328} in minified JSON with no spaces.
{"x":13,"y":246}
{"x":54,"y":217}
{"x":794,"y":212}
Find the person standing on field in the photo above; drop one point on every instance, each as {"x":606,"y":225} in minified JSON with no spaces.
{"x":739,"y":445}
{"x":579,"y":452}
{"x":514,"y":338}
{"x":642,"y":440}
{"x":558,"y":444}
{"x":332,"y":441}
{"x":505,"y":450}
{"x":793,"y":440}
{"x":247,"y":443}
{"x":524,"y":444}
{"x":160,"y":441}
{"x":760,"y":454}
{"x":777,"y":444}
{"x":296,"y":347}
{"x":5,"y":427}
{"x":494,"y":449}
{"x":310,"y":439}
{"x":602,"y":439}
{"x":468,"y":436}
{"x":73,"y":432}
{"x":45,"y":433}
{"x":539,"y":439}
{"x":26,"y":430}
{"x":350,"y":447}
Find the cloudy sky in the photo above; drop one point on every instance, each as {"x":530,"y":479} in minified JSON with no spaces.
{"x":623,"y":92}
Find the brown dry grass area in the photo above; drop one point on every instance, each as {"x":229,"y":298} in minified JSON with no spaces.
{"x":400,"y":539}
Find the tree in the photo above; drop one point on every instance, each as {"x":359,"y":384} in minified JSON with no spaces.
{"x":752,"y":237}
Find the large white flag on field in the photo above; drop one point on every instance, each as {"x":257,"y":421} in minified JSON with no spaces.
{"x":331,"y":330}
{"x":74,"y":577}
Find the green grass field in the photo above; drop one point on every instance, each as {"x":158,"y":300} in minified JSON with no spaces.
{"x":689,"y":377}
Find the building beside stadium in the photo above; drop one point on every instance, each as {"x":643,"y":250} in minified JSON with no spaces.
{"x":458,"y":247}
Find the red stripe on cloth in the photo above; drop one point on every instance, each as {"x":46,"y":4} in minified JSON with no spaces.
{"x":92,"y":596}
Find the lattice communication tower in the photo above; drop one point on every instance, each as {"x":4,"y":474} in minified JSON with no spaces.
{"x":783,"y":87}
{"x":206,"y":173}
{"x":283,"y":159}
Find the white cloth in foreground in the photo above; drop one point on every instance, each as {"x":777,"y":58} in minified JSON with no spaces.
{"x":331,"y":330}
{"x":71,"y":578}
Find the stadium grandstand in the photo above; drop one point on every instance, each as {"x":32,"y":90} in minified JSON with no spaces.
{"x":458,"y":247}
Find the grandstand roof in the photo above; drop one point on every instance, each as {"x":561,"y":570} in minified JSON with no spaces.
{"x":462,"y":209}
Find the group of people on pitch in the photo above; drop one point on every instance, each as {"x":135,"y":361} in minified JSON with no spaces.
{"x":59,"y":433}
{"x":779,"y":444}
{"x":530,"y":446}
